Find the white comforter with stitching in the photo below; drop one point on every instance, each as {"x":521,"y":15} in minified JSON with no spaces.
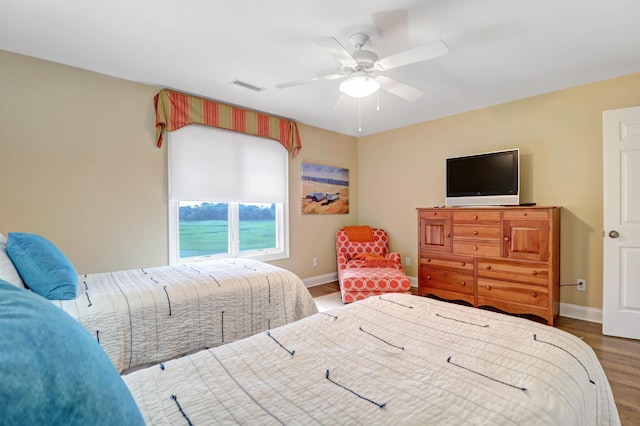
{"x":395,"y":359}
{"x":144,"y":316}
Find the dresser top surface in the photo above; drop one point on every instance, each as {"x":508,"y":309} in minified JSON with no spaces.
{"x":487,"y":207}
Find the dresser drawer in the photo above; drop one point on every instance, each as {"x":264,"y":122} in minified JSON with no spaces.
{"x":522,"y":294}
{"x":450,"y":281}
{"x":482,"y":232}
{"x":486,"y":217}
{"x":435,"y":214}
{"x":447,"y":262}
{"x":526,"y":214}
{"x":529,"y":272}
{"x":477,"y":248}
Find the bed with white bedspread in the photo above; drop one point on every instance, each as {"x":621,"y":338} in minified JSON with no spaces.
{"x":394,"y":359}
{"x":144,"y":316}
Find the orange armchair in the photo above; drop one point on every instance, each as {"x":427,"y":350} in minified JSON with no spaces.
{"x":365,"y":265}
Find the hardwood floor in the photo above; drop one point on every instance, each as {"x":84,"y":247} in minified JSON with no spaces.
{"x":321,"y":290}
{"x":619,"y":357}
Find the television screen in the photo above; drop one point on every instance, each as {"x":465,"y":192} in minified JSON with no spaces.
{"x":484,"y":179}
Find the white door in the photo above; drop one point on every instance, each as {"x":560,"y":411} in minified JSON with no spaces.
{"x":621,"y":280}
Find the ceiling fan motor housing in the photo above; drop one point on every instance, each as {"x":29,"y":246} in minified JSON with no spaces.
{"x":365,"y":58}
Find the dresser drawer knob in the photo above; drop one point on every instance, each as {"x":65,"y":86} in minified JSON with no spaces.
{"x":488,"y":287}
{"x":463,"y":283}
{"x":475,"y":247}
{"x":488,"y":267}
{"x":507,"y":239}
{"x":534,"y":273}
{"x":534,"y":294}
{"x":475,"y":232}
{"x":448,"y":236}
{"x":428,"y":259}
{"x":463,"y":263}
{"x":475,"y":217}
{"x":428,"y":277}
{"x":524,"y":214}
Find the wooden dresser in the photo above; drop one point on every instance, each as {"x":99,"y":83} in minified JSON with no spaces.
{"x":504,"y":257}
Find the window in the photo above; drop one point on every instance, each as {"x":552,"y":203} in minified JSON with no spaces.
{"x":228,"y":195}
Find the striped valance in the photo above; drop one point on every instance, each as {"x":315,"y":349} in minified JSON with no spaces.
{"x":175,"y":110}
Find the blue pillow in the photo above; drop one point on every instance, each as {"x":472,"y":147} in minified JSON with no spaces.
{"x":52,"y":371}
{"x":42,"y":266}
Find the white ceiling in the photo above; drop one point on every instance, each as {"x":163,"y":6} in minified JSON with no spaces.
{"x":501,"y":50}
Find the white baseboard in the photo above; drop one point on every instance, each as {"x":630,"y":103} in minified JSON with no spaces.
{"x":579,"y":312}
{"x":320,"y":279}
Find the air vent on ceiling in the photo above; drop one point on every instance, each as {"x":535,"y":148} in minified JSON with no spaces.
{"x":247,"y":85}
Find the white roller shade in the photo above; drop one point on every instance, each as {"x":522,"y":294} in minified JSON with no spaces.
{"x":207,"y":163}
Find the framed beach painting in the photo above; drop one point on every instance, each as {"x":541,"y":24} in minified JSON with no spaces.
{"x":325,"y":189}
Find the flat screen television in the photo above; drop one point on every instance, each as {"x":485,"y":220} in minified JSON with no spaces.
{"x":487,"y":179}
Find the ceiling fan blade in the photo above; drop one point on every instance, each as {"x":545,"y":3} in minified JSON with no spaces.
{"x":399,"y":88}
{"x":308,"y":80}
{"x":417,"y":54}
{"x":336,"y":50}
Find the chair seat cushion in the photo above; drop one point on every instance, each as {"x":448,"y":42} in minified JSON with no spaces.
{"x":382,"y":280}
{"x":354,"y":296}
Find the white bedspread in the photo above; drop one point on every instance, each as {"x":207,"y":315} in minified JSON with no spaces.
{"x":144,"y":316}
{"x":395,"y":359}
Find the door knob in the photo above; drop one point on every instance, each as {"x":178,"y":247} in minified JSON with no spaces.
{"x":614,"y":234}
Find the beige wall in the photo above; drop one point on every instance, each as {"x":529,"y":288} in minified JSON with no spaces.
{"x":560,"y":140}
{"x":78,"y":165}
{"x":314,"y":235}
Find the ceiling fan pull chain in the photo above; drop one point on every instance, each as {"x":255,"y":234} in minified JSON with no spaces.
{"x":359,"y":117}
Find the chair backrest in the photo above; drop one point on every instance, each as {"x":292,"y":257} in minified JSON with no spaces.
{"x":348,"y":249}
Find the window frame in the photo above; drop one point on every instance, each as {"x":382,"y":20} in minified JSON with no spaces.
{"x":281,"y":251}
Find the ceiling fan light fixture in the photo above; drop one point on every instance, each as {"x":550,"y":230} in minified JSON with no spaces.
{"x":359,"y":86}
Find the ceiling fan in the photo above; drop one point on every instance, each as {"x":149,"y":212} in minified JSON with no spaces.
{"x":362,"y":69}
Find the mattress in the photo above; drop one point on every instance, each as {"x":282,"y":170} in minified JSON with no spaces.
{"x":392,"y":359}
{"x":144,"y":316}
